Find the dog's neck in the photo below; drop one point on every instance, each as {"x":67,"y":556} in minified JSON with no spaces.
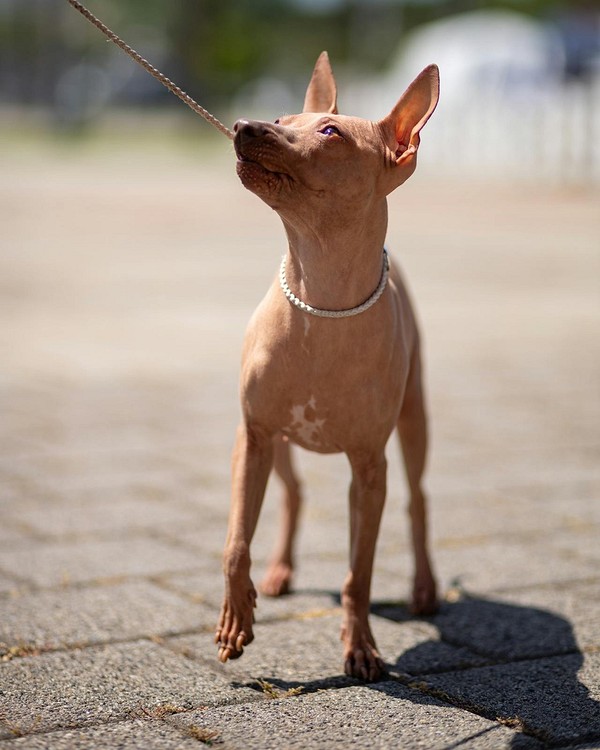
{"x":338,"y":267}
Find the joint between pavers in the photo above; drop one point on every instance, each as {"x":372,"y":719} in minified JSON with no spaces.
{"x":515,"y":723}
{"x":25,"y":586}
{"x":280,"y":689}
{"x":310,"y":614}
{"x":159,"y":580}
{"x":156,"y":714}
{"x":21,"y":650}
{"x":490,"y":661}
{"x":20,"y":582}
{"x":545,"y":586}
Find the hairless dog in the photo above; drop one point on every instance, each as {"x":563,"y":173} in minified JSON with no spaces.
{"x":331,"y":355}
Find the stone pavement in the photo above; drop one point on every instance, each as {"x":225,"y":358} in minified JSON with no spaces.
{"x":126,"y":279}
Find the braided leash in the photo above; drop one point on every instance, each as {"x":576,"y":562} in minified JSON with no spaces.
{"x":173,"y":88}
{"x":335,"y":313}
{"x":193,"y":104}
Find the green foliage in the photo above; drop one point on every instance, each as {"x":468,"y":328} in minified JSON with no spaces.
{"x":214,"y":47}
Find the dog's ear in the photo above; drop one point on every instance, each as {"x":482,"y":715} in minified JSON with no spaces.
{"x":321,"y":94}
{"x":402,"y":126}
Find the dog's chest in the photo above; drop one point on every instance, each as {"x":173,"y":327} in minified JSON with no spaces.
{"x":328,"y":402}
{"x":307,"y":426}
{"x":326,"y":385}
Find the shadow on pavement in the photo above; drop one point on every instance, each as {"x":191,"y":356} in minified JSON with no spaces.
{"x":514,"y":665}
{"x":524,"y":667}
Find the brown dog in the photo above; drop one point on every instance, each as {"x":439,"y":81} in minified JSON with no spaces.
{"x":331,"y":356}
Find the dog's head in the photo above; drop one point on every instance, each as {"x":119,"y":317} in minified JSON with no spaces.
{"x":320,"y":157}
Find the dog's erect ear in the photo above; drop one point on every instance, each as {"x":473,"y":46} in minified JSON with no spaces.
{"x":402,"y":126}
{"x":321,"y":94}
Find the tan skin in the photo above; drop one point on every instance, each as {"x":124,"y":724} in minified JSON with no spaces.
{"x":329,"y":385}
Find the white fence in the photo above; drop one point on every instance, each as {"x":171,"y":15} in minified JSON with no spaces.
{"x":554,"y":137}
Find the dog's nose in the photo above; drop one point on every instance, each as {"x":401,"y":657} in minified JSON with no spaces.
{"x":246,"y":130}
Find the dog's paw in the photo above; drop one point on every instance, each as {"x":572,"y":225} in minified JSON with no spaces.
{"x":234,"y":630}
{"x":361,"y":657}
{"x":424,"y":597}
{"x":277,"y":580}
{"x":364,"y":663}
{"x":229,"y":649}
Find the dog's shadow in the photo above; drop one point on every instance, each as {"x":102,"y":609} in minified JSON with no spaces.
{"x":494,"y":659}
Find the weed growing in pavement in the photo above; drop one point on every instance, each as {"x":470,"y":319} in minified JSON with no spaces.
{"x":208,"y":737}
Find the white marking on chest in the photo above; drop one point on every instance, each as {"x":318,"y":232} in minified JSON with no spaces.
{"x":305,"y":426}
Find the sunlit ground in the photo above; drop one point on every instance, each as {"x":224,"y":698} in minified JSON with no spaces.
{"x":131,"y":259}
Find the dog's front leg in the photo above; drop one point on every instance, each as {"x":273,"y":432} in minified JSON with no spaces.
{"x":252,"y":459}
{"x":367,"y":498}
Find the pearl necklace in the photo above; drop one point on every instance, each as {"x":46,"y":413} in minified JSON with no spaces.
{"x":335,"y":313}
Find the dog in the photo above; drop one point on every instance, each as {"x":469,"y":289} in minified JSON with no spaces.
{"x":331,"y":356}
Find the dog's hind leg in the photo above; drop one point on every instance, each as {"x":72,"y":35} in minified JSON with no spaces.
{"x":277,"y":579}
{"x":412,"y":431}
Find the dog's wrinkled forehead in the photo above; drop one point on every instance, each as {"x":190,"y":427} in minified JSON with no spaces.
{"x":306,"y":120}
{"x":343,"y":127}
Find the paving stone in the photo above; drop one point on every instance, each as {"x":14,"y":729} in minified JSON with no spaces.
{"x":51,"y":564}
{"x":513,"y":467}
{"x":514,"y":514}
{"x":568,"y":610}
{"x":502,"y":420}
{"x":10,"y":535}
{"x":205,"y":535}
{"x":128,"y":735}
{"x":106,"y":684}
{"x":150,"y":483}
{"x":298,"y":604}
{"x":382,"y":716}
{"x":8,"y":585}
{"x":316,"y":580}
{"x":483,"y":565}
{"x":9,"y":733}
{"x":89,"y":516}
{"x":320,"y":524}
{"x":579,"y":541}
{"x":307,"y":649}
{"x":54,"y":619}
{"x":204,"y":584}
{"x":88,"y":464}
{"x":93,"y":458}
{"x":207,"y":585}
{"x":570,"y":613}
{"x":575,"y":502}
{"x":501,"y":629}
{"x":557,"y":697}
{"x":318,"y":573}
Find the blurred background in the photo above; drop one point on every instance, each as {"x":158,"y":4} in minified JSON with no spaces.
{"x":520,"y":78}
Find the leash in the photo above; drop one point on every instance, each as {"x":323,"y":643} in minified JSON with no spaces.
{"x":173,"y":88}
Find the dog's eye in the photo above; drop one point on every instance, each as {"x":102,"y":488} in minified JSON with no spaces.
{"x":330,"y":130}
